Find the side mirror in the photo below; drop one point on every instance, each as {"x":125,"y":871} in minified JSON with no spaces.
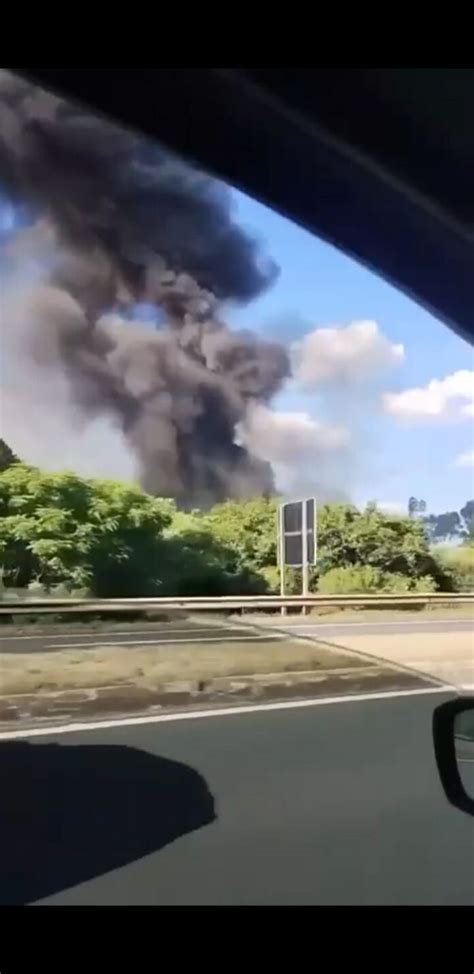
{"x":453,"y":735}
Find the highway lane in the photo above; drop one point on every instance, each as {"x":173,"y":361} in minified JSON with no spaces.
{"x":185,"y":630}
{"x":402,"y":628}
{"x":335,"y":804}
{"x":138,"y":635}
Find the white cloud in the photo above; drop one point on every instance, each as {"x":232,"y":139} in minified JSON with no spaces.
{"x":465,"y":459}
{"x":448,"y":398}
{"x":349,"y":354}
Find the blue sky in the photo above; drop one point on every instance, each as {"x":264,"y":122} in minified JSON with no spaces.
{"x":319,"y":287}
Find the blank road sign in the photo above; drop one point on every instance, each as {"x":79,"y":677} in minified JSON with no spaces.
{"x":293,"y":550}
{"x":292,"y":518}
{"x":310,"y":527}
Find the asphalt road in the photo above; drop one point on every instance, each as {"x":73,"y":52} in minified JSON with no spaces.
{"x":180,"y":632}
{"x":334,"y":804}
{"x":173,"y":634}
{"x":381,"y":628}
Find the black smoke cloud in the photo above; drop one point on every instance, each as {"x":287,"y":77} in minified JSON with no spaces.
{"x":117,"y":220}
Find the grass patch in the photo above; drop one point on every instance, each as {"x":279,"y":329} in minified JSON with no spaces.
{"x":159,"y":665}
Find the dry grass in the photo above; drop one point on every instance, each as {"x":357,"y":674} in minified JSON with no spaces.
{"x":159,"y":665}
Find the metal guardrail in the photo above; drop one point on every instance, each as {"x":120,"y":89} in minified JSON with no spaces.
{"x":232,"y":603}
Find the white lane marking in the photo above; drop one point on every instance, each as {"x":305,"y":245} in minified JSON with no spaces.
{"x":233,"y":626}
{"x":166,"y":642}
{"x":52,"y":731}
{"x":375,"y":625}
{"x":136,"y":632}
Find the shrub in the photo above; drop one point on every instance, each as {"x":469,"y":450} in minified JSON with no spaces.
{"x":458,"y":564}
{"x":370,"y":538}
{"x":398,"y":584}
{"x":353,"y":579}
{"x":364,"y":579}
{"x":271,"y":575}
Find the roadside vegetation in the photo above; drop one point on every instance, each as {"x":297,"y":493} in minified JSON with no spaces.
{"x":62,"y":534}
{"x":458,"y":563}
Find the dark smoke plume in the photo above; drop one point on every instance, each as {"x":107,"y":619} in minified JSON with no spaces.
{"x":116,"y":220}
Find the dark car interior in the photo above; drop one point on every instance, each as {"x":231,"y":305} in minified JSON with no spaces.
{"x":378,"y":161}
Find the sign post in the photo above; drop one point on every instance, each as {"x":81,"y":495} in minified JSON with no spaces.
{"x":281,"y":553}
{"x":297,"y":540}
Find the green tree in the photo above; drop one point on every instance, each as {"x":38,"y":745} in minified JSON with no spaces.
{"x":444,"y":527}
{"x":113,"y":539}
{"x":416,"y":506}
{"x":467,"y":514}
{"x":61,"y":529}
{"x":247,"y":527}
{"x":197,"y":561}
{"x":386,"y":542}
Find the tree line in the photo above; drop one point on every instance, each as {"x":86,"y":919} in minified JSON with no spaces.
{"x":452,"y":525}
{"x":447,"y":526}
{"x":63,"y":533}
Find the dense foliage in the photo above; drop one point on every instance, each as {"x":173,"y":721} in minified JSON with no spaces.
{"x":96,"y":535}
{"x":112,"y":539}
{"x":353,"y":579}
{"x":458,"y":563}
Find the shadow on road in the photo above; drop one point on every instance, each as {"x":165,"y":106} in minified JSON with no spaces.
{"x":69,"y":813}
